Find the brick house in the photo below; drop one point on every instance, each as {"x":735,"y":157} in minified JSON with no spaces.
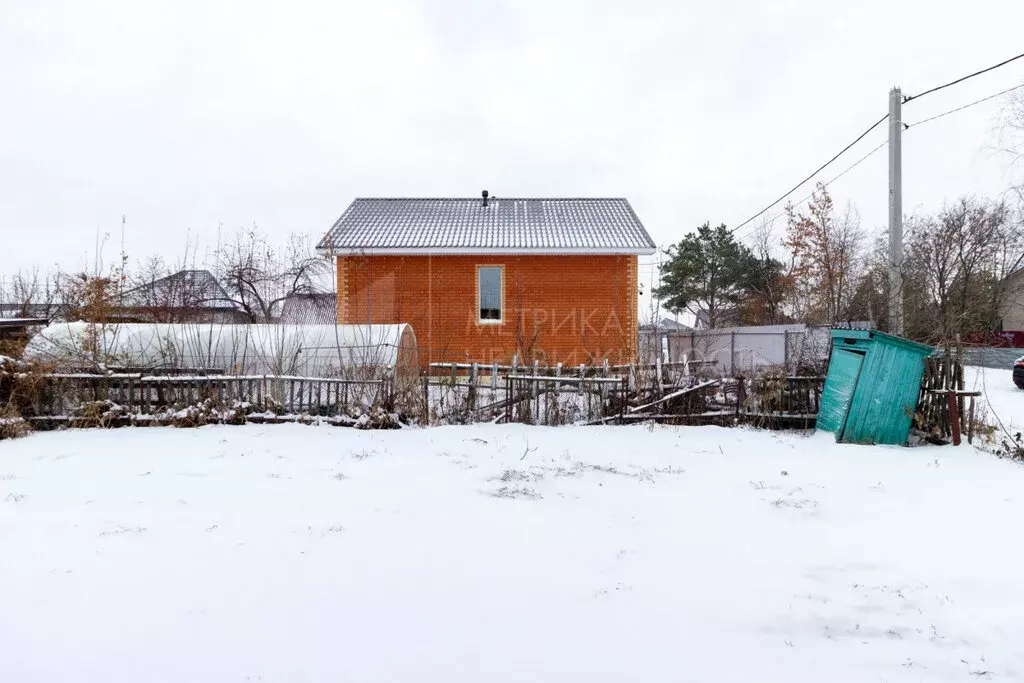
{"x":486,"y":279}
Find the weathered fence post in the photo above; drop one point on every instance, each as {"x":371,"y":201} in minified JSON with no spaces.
{"x":426,"y":399}
{"x":558,"y":387}
{"x":657,"y":374}
{"x":622,"y":399}
{"x":970,"y":422}
{"x":954,"y":415}
{"x":508,"y":398}
{"x":512,"y":385}
{"x":785,"y":350}
{"x":471,"y":394}
{"x":741,"y":395}
{"x":732,"y":352}
{"x":536,"y":391}
{"x":494,"y":380}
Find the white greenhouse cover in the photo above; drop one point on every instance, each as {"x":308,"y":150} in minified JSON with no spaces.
{"x":307,"y":350}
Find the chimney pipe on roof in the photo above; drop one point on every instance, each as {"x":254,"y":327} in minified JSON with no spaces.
{"x":484,"y":195}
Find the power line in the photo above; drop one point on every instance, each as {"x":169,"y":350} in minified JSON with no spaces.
{"x":816,"y":172}
{"x":844,"y":172}
{"x":961,"y":80}
{"x":869,"y":129}
{"x":971,"y":104}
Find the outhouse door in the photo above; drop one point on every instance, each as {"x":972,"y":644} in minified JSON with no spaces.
{"x":838,"y":395}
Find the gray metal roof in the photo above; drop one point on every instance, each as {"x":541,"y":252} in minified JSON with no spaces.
{"x":505,"y":225}
{"x":310,"y":309}
{"x":183,"y":289}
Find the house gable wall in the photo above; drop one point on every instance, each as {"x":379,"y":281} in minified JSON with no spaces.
{"x":556,"y":309}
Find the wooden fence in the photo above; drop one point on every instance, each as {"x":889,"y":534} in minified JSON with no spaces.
{"x":61,"y":394}
{"x":615,"y":394}
{"x":453,"y":393}
{"x":512,"y":393}
{"x":946,"y":409}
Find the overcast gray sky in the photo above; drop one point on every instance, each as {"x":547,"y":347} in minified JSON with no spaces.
{"x":187,"y":115}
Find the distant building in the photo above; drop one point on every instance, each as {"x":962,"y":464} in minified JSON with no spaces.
{"x":1012,"y":310}
{"x":654,"y":338}
{"x":188,"y":296}
{"x":29,"y":310}
{"x":754,"y":348}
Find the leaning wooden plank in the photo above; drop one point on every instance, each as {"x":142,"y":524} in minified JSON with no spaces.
{"x":659,"y":417}
{"x":674,"y":394}
{"x":601,"y":420}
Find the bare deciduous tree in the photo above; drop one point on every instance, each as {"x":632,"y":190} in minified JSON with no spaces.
{"x":257,"y":277}
{"x":32,"y":294}
{"x":769,"y":287}
{"x":1012,"y":139}
{"x":826,"y":257}
{"x":160,"y":294}
{"x":870,"y":301}
{"x":956,"y":268}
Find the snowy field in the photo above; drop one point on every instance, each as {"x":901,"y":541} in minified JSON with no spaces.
{"x":505,"y":553}
{"x":1003,"y":398}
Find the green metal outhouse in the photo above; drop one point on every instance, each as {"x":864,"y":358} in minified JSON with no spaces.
{"x":872,"y":387}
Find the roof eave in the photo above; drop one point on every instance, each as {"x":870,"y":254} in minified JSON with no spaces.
{"x":484,"y":251}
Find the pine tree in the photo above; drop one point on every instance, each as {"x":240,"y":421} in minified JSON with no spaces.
{"x":705,"y":274}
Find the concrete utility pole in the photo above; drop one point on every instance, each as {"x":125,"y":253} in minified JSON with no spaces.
{"x":895,"y":211}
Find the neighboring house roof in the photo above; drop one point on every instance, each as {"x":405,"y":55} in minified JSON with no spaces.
{"x":42,"y":311}
{"x":21,"y":322}
{"x":310,"y":309}
{"x":666,"y":325}
{"x":470,"y":226}
{"x":184,"y":289}
{"x":670,"y":324}
{"x":1015,"y":275}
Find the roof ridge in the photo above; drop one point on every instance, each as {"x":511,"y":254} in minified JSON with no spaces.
{"x":490,"y":199}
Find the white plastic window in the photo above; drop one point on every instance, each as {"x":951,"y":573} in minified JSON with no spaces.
{"x":489,"y":283}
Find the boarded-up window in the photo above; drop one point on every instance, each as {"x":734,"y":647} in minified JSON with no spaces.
{"x":489,"y":287}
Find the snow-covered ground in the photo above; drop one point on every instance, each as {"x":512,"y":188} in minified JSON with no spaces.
{"x":1001,"y":396}
{"x":505,"y":553}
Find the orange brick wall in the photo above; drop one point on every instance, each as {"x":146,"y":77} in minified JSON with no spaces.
{"x":568,"y":309}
